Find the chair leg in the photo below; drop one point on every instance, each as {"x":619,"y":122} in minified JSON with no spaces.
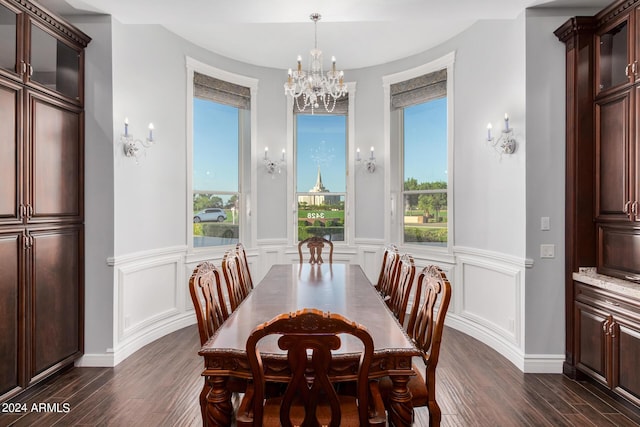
{"x":435,"y":415}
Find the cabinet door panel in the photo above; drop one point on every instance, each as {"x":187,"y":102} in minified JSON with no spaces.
{"x":10,"y":41}
{"x":10,"y":152}
{"x":56,"y":172}
{"x":56,"y":296}
{"x":591,"y":341}
{"x":11,"y":309}
{"x":619,"y":251}
{"x":54,"y":63}
{"x":612,"y":156}
{"x":626,"y":378}
{"x":613,"y":52}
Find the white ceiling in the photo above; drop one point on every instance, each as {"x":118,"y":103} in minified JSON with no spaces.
{"x":359,"y":33}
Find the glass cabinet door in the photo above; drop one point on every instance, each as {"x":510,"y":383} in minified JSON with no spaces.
{"x":614,"y":65}
{"x":54,"y":64}
{"x":8,"y":39}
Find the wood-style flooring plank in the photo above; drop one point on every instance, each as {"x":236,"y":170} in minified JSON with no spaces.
{"x":159,"y":385}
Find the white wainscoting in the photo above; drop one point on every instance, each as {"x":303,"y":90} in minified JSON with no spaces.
{"x":151,"y":295}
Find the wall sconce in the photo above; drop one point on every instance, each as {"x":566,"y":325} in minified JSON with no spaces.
{"x":369,"y":164}
{"x":132,"y":146}
{"x":273,"y":166}
{"x":505,"y":143}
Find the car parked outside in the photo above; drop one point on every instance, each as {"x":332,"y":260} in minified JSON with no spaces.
{"x":210,"y":214}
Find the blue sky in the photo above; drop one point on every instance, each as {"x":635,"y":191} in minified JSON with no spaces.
{"x":321,"y":142}
{"x":215,"y":137}
{"x":425,"y":157}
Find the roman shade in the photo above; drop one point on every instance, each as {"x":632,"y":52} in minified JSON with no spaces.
{"x":222,"y":92}
{"x":419,"y":89}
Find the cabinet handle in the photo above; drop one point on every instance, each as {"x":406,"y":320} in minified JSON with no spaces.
{"x":612,"y":303}
{"x":605,"y":326}
{"x":30,"y":70}
{"x":612,"y":329}
{"x":24,"y":67}
{"x":634,"y":209}
{"x":633,"y":278}
{"x":625,"y":208}
{"x":30,"y":210}
{"x":634,"y":67}
{"x":626,"y":70}
{"x":22,"y":211}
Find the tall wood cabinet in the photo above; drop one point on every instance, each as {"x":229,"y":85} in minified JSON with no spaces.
{"x":41,"y":194}
{"x":602,"y":197}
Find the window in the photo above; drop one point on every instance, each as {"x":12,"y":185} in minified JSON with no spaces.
{"x":221,"y":116}
{"x":425,"y":219}
{"x":420,"y":122}
{"x":321,"y":170}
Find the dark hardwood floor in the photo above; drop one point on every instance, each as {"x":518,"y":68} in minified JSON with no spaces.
{"x":159,"y":386}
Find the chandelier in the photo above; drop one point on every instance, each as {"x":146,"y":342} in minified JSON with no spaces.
{"x":309,"y":88}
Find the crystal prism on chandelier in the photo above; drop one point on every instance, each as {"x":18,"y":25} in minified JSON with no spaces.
{"x":312,"y":87}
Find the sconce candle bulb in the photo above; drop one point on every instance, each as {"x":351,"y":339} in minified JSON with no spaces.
{"x":369,"y":164}
{"x":273,"y":166}
{"x":133,"y":147}
{"x":506,"y":142}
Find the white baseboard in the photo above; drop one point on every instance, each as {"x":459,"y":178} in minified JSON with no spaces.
{"x":530,"y":364}
{"x":136,"y":341}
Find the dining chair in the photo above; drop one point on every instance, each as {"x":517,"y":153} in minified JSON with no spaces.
{"x":211,"y":311}
{"x":233,"y":277}
{"x":401,"y":287}
{"x":425,"y":326}
{"x":315,"y":244}
{"x":244,"y":268}
{"x":309,"y":336}
{"x":208,"y":299}
{"x":390,"y":257}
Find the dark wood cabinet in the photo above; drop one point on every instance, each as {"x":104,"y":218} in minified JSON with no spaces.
{"x":41,"y":51}
{"x":41,"y":195}
{"x":608,"y":339}
{"x":602,"y":222}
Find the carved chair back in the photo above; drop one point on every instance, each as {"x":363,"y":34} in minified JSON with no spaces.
{"x":233,"y":277}
{"x":208,"y":300}
{"x":401,"y":287}
{"x":247,"y":281}
{"x":315,"y":245}
{"x":309,"y":336}
{"x":390,"y":258}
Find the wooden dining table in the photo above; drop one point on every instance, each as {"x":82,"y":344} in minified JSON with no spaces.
{"x":337,"y":288}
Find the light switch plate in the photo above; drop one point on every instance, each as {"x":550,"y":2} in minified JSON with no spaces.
{"x":544,"y":223}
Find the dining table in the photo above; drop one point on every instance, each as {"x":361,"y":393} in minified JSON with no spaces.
{"x":330,"y":287}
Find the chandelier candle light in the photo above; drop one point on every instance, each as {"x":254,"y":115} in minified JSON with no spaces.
{"x":308,"y":88}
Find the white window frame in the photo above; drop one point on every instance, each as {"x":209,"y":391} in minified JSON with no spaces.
{"x":394,"y":221}
{"x":247,"y":195}
{"x":292,"y":216}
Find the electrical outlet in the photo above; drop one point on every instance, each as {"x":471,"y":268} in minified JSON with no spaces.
{"x":547,"y":251}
